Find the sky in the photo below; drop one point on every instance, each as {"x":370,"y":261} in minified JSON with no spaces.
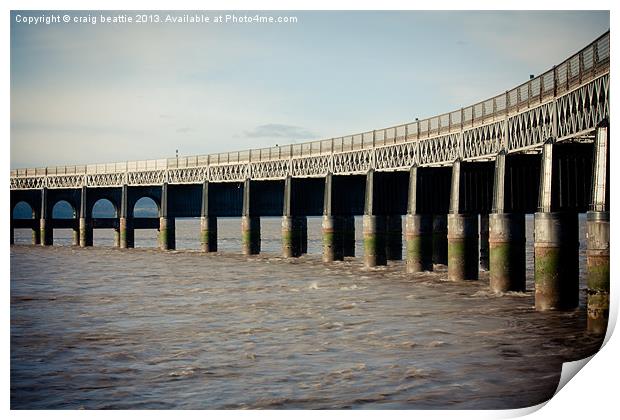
{"x":84,"y":93}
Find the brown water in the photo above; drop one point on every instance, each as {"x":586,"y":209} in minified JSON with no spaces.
{"x":141,"y":328}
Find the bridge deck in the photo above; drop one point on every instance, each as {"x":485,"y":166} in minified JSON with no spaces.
{"x":567,"y":101}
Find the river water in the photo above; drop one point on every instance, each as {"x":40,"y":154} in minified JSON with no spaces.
{"x":107,"y":328}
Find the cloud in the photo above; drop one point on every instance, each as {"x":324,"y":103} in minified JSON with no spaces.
{"x":280,"y":131}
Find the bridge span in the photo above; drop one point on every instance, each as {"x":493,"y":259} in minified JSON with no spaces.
{"x":464,"y":181}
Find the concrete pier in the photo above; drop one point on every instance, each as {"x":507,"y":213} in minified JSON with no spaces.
{"x":598,"y":271}
{"x":419,"y":236}
{"x":250,"y":225}
{"x":167,"y":233}
{"x":208,"y":234}
{"x":418,"y":230}
{"x":440,"y":239}
{"x":126,"y":230}
{"x":598,"y":236}
{"x":348,"y":232}
{"x":484,"y":242}
{"x":126,"y":233}
{"x":117,"y":237}
{"x":374,"y":240}
{"x":208,"y":224}
{"x":291,"y":225}
{"x":36,"y":236}
{"x":556,"y":260}
{"x":507,"y":252}
{"x":47,"y":233}
{"x":462,"y":247}
{"x":463,"y":234}
{"x":85,"y":232}
{"x":291,"y":237}
{"x":332,"y":238}
{"x":506,"y":238}
{"x":250,"y":235}
{"x":556,"y":246}
{"x":374,"y":227}
{"x":394,"y":237}
{"x":303,"y":227}
{"x":331,"y":225}
{"x":75,"y":236}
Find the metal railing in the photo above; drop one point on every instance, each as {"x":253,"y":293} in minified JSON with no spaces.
{"x":585,"y":65}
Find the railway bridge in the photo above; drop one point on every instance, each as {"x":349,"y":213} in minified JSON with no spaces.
{"x":464,"y":181}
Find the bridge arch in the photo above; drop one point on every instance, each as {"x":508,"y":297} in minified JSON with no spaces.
{"x":61,"y":209}
{"x":145,"y":211}
{"x":23,"y":208}
{"x":63,"y":215}
{"x":24,"y":216}
{"x":146,"y":206}
{"x":104,"y":208}
{"x":105,"y":211}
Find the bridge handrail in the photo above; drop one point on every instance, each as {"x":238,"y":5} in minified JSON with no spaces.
{"x":587,"y":64}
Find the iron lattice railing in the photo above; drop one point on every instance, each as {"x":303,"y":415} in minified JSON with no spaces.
{"x":568,"y":100}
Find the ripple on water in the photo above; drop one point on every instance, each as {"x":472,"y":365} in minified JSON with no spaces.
{"x":103,"y":328}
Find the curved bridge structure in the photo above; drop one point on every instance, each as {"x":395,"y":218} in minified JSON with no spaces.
{"x":567,"y":101}
{"x":461,"y":178}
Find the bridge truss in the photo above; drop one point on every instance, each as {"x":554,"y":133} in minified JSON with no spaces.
{"x":568,"y":101}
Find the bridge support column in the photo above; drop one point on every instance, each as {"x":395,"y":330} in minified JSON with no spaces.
{"x":250,"y":235}
{"x":440,"y":239}
{"x":126,"y":233}
{"x":167,"y":233}
{"x":418,"y":230}
{"x":291,"y":224}
{"x":556,"y":260}
{"x":303,"y":226}
{"x":250,"y":225}
{"x":208,"y":234}
{"x":167,"y":229}
{"x":85,"y":230}
{"x":374,"y":240}
{"x":45,"y":223}
{"x":394,"y":237}
{"x":556,"y":246}
{"x":75,"y":238}
{"x":419,"y":234}
{"x":507,"y":252}
{"x":332,"y":239}
{"x":374,"y":227}
{"x":506,"y":238}
{"x":47,"y":232}
{"x":36,"y":236}
{"x":117,"y":237}
{"x":208,"y":224}
{"x":462,"y":247}
{"x":598,"y":271}
{"x":598,"y":237}
{"x":331,"y":226}
{"x":291,"y":237}
{"x":463,"y":240}
{"x":12,"y":231}
{"x":126,"y":230}
{"x":484,"y":242}
{"x":348,"y":236}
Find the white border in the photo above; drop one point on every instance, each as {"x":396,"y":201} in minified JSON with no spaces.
{"x":591,"y":395}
